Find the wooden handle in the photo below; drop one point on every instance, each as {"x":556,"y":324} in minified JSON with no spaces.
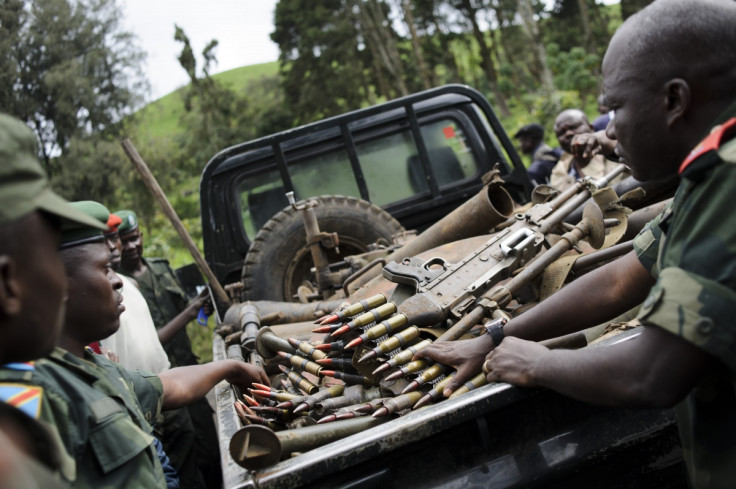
{"x":159,"y":195}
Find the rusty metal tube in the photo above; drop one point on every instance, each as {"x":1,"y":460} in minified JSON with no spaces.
{"x":255,"y":446}
{"x":477,"y":215}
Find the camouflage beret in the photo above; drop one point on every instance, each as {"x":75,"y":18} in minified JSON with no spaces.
{"x":24,"y":187}
{"x":80,"y":234}
{"x":130,"y":221}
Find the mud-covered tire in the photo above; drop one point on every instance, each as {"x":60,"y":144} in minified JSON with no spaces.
{"x":279,"y":260}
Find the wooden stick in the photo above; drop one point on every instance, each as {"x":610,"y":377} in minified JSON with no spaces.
{"x":159,"y":195}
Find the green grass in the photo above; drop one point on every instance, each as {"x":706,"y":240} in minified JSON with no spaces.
{"x":159,"y":120}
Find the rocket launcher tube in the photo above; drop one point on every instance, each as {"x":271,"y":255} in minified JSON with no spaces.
{"x":255,"y":446}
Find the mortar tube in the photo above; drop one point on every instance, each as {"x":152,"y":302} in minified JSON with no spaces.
{"x":476,"y":216}
{"x":255,"y":446}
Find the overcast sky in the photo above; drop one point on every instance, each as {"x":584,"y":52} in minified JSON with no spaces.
{"x":242,"y":28}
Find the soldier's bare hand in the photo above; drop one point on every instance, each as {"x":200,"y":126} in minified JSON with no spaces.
{"x":244,"y":374}
{"x":589,"y":144}
{"x":466,"y":357}
{"x":514,"y":361}
{"x":199,"y":301}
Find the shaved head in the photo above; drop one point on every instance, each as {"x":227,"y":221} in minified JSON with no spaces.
{"x":668,"y":73}
{"x":682,"y":39}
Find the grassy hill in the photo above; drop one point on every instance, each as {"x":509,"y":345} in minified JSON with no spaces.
{"x":161,"y":117}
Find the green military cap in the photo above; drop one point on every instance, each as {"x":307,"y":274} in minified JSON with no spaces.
{"x":130,"y":221}
{"x":24,"y":187}
{"x":78,"y":233}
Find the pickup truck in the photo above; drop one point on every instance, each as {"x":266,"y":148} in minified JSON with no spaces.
{"x":493,"y":436}
{"x":416,"y":157}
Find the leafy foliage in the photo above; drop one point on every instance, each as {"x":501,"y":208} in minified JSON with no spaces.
{"x":68,"y":69}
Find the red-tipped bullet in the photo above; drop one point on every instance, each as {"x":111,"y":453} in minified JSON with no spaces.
{"x":262,"y":387}
{"x":263,"y":394}
{"x":323,"y":329}
{"x":250,"y":400}
{"x":356,"y":342}
{"x":334,"y":346}
{"x":245,"y":407}
{"x":330,"y":318}
{"x":381,"y":412}
{"x":328,"y":373}
{"x":341,"y":330}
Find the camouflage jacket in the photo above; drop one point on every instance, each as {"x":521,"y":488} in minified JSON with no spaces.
{"x":690,"y":249}
{"x":92,"y":409}
{"x":166,"y":299}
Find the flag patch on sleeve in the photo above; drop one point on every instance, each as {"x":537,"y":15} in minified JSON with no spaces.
{"x":27,"y":398}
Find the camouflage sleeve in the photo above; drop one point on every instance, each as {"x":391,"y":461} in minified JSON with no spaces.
{"x":695,"y":293}
{"x":149,"y":390}
{"x":646,"y":243}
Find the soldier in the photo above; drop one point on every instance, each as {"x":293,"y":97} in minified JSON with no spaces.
{"x":137,"y":345}
{"x":569,"y":124}
{"x":32,"y":288}
{"x":670,"y":84}
{"x":101,"y":411}
{"x":171,"y":312}
{"x":544,"y":158}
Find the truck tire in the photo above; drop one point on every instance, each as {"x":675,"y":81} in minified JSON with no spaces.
{"x":279,"y":261}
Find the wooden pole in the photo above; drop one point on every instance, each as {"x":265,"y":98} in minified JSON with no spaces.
{"x":159,"y":195}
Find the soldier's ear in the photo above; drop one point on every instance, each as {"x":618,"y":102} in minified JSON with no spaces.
{"x":10,"y":289}
{"x":677,"y":100}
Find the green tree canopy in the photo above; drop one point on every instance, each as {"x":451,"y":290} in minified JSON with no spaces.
{"x":67,"y":68}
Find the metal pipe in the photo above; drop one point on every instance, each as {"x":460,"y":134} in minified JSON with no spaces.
{"x":256,"y":446}
{"x":477,"y":215}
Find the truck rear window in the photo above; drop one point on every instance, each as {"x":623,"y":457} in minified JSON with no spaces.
{"x":390,"y":165}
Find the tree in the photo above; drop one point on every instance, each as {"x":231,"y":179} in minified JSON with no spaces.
{"x":322,"y":61}
{"x":630,"y":7}
{"x":68,"y":69}
{"x":471,"y":9}
{"x":215,"y":115}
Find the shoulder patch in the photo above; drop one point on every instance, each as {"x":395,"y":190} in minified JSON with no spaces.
{"x":27,"y":398}
{"x":711,"y":142}
{"x":23,"y":367}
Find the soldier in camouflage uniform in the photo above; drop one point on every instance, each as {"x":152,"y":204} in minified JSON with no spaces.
{"x":100,"y":411}
{"x":671,"y":85}
{"x":171,"y":311}
{"x":32,"y":288}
